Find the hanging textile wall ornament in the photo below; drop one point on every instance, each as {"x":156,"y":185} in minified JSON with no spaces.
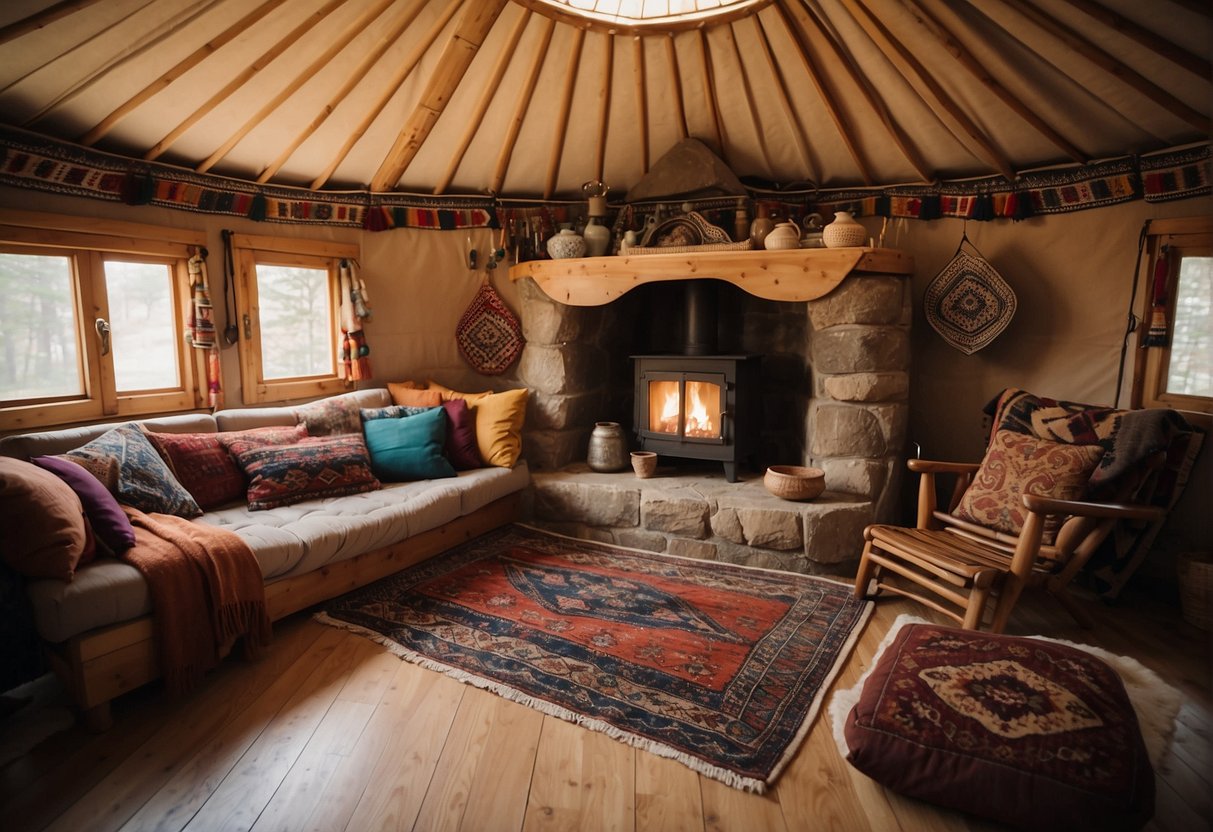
{"x":201,"y":327}
{"x":355,"y":363}
{"x":488,"y":335}
{"x":1156,"y":335}
{"x":968,"y":303}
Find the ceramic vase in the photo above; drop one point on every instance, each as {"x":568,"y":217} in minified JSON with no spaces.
{"x":644,"y":463}
{"x":761,"y":226}
{"x":597,"y":238}
{"x":784,"y":236}
{"x":608,"y":447}
{"x":844,"y":231}
{"x":566,"y":243}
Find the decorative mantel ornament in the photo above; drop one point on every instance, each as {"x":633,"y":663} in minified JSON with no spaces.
{"x":968,"y":303}
{"x":844,"y":232}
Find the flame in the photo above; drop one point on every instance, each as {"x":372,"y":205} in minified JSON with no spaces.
{"x":702,"y":410}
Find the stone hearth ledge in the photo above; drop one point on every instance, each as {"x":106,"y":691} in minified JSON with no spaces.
{"x":700,"y":515}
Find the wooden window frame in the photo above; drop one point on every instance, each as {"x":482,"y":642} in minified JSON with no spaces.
{"x":1195,"y":235}
{"x":89,"y":242}
{"x":248,"y":250}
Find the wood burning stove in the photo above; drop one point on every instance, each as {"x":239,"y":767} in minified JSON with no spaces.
{"x":698,"y":407}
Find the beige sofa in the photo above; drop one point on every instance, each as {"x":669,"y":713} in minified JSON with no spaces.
{"x":98,"y":626}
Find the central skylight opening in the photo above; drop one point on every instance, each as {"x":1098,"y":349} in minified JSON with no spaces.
{"x":651,"y":13}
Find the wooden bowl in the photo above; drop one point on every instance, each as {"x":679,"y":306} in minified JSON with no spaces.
{"x":793,"y":482}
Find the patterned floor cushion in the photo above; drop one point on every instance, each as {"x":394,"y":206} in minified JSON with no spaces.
{"x":1028,"y":732}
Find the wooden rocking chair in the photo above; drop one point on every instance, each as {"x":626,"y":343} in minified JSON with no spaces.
{"x":963,"y":564}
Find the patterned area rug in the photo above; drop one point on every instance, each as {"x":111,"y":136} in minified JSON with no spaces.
{"x":718,"y":666}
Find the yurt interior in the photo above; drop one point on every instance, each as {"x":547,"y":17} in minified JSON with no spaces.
{"x":606,"y":414}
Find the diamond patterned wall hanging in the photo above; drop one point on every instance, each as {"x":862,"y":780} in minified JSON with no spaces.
{"x":968,"y":303}
{"x":488,"y":334}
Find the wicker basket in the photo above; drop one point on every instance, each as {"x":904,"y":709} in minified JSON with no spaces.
{"x":792,"y":482}
{"x":1196,"y":587}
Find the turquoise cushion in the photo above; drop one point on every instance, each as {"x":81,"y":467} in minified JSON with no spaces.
{"x":409,"y":448}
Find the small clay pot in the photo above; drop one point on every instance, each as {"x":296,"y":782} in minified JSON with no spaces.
{"x":644,"y":463}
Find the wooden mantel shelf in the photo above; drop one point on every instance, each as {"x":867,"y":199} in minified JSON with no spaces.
{"x":795,"y":275}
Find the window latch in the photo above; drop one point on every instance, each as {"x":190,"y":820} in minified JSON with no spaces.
{"x":103,"y":332}
{"x":248,"y":327}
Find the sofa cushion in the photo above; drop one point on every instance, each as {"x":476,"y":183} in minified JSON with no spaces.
{"x":409,"y":448}
{"x":332,"y":416}
{"x":406,"y":394}
{"x":499,"y":419}
{"x":1016,"y":464}
{"x":319,"y":466}
{"x":392,"y":411}
{"x":50,"y":442}
{"x":45,"y":529}
{"x":244,"y":418}
{"x":461,"y":447}
{"x":126,"y":463}
{"x":110,"y":524}
{"x":204,"y":467}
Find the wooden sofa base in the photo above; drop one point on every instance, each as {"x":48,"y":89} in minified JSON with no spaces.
{"x":104,"y":663}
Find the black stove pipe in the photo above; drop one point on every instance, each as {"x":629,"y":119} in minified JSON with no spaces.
{"x":700,"y":317}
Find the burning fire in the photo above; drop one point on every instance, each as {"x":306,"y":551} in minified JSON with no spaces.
{"x":702,"y":411}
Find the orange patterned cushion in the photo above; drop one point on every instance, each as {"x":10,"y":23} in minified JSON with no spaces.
{"x":1017,"y":464}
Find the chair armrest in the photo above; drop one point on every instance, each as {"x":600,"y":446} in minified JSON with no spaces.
{"x":933,"y":466}
{"x":1115,"y":511}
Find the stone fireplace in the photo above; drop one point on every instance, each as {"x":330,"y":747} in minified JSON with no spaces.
{"x":834,"y":388}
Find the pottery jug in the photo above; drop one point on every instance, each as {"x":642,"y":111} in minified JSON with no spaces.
{"x":844,"y":231}
{"x":785,"y":235}
{"x":566,"y":243}
{"x":761,"y":226}
{"x":608,"y":447}
{"x":597,"y":238}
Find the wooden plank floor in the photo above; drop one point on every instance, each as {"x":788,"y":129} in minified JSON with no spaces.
{"x":331,"y":732}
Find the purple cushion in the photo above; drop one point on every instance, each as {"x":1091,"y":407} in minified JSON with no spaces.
{"x":461,"y":448}
{"x":109,"y":522}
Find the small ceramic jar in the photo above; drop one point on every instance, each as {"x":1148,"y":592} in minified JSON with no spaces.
{"x":608,"y":447}
{"x":567,"y":243}
{"x":784,"y":236}
{"x":844,"y":231}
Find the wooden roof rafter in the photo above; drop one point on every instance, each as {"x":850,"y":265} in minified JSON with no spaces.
{"x":43,"y":18}
{"x":389,"y":89}
{"x":244,"y":76}
{"x":457,"y":55}
{"x":954,"y":47}
{"x":566,"y":105}
{"x":486,"y":97}
{"x":174,"y":24}
{"x":1110,"y":64}
{"x":1162,"y":47}
{"x":520,"y":108}
{"x":671,"y":55}
{"x":604,"y":106}
{"x":101,"y":128}
{"x":785,"y":99}
{"x":709,"y":95}
{"x":386,"y":38}
{"x":640,"y":91}
{"x":928,"y":90}
{"x":729,"y":34}
{"x":798,"y":22}
{"x":309,"y":72}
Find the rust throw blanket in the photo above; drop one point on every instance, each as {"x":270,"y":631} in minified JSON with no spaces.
{"x":206,"y":591}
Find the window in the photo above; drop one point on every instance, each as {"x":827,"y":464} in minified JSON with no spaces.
{"x":92,"y":324}
{"x":287,"y":299}
{"x":1175,"y":365}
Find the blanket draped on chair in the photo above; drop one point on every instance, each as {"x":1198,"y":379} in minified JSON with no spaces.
{"x":206,"y":589}
{"x":1128,"y":437}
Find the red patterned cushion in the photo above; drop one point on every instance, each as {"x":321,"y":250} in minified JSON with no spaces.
{"x":1031,"y":733}
{"x":202,"y":464}
{"x":1016,"y":464}
{"x":319,"y":466}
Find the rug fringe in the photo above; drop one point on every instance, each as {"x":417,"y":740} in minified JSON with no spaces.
{"x":729,"y":778}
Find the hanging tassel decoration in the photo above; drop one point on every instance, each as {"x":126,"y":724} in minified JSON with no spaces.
{"x":138,"y":188}
{"x":1156,"y":335}
{"x":258,"y":208}
{"x":201,"y":323}
{"x":214,"y":379}
{"x":355,"y":362}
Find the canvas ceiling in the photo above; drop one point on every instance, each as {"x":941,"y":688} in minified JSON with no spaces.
{"x":492,"y":96}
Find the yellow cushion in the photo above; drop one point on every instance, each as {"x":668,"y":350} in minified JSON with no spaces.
{"x":499,"y":419}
